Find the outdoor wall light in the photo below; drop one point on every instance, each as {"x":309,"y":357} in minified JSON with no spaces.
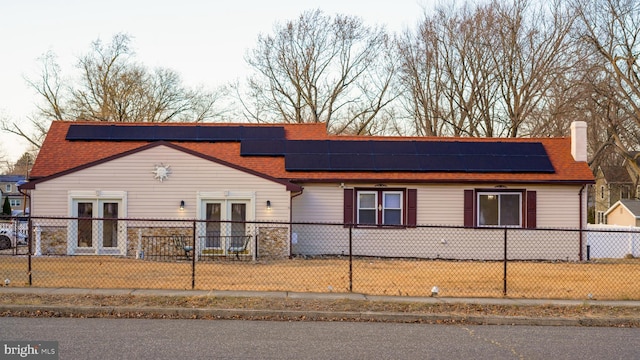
{"x":268,"y":204}
{"x":181,"y":204}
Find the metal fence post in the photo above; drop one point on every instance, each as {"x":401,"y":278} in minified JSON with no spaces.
{"x":504,"y":278}
{"x":194,"y":253}
{"x":350,"y":258}
{"x":30,"y":246}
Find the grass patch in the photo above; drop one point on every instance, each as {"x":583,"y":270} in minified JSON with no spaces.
{"x":602,"y":280}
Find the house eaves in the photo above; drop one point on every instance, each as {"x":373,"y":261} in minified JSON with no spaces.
{"x":32,"y":183}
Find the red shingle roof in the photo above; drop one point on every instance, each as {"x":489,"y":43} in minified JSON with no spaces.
{"x":58,"y":156}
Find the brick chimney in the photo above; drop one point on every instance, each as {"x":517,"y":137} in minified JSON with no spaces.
{"x":579,"y":140}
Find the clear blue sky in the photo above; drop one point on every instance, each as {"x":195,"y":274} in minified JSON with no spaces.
{"x":204,"y":41}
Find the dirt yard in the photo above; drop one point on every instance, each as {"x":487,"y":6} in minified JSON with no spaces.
{"x":617,"y":280}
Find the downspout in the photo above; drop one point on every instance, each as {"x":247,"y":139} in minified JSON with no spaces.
{"x":290,"y":216}
{"x":580,"y":227}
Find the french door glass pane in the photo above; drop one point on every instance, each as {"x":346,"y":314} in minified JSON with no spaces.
{"x":85,"y":226}
{"x":238,"y":218}
{"x":213,"y":217}
{"x":110,"y":224}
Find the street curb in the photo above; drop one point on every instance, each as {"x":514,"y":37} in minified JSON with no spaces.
{"x":153,"y":312}
{"x":318,"y":296}
{"x":290,"y":315}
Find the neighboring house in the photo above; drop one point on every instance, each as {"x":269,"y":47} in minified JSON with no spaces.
{"x":9,"y":188}
{"x":613,"y":183}
{"x":624,"y":213}
{"x":282,"y":173}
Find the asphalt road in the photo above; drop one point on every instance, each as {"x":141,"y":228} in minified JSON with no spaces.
{"x":236,"y":339}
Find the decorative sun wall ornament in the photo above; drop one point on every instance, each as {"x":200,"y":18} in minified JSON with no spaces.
{"x":161,"y":172}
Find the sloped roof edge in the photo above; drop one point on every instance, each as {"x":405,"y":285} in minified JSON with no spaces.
{"x":32,"y":183}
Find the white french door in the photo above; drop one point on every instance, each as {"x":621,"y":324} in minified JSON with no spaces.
{"x":98,"y":230}
{"x":225,"y":220}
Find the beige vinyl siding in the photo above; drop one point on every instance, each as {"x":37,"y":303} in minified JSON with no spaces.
{"x":318,"y":203}
{"x":557,"y":205}
{"x":440,"y":205}
{"x":147,"y":197}
{"x":621,"y":216}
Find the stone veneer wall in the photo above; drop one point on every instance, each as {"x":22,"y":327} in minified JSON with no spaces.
{"x":273,"y":242}
{"x":162,"y":240}
{"x":53,"y":240}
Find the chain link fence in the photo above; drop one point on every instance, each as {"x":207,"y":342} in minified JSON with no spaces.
{"x":306,"y":257}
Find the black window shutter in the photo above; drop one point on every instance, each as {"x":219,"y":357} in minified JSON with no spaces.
{"x":348,"y":207}
{"x":468,"y":208}
{"x":531,"y":210}
{"x":412,"y":207}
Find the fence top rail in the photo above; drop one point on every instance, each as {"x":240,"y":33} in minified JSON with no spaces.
{"x":192,"y":222}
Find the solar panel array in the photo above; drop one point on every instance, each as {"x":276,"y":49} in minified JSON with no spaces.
{"x":418,"y":156}
{"x":341,"y":155}
{"x":172,"y":133}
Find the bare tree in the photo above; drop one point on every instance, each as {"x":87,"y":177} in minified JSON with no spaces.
{"x":320,"y":68}
{"x":611,"y":29}
{"x":486,"y":70}
{"x":113,"y":87}
{"x":532,"y":43}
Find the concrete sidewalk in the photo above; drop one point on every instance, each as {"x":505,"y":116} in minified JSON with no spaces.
{"x":175,"y":312}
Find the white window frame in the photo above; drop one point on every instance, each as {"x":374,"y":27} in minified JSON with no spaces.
{"x":498,"y":194}
{"x":97,"y":197}
{"x":15,"y":202}
{"x":385,"y":207}
{"x":375,"y":206}
{"x":225,"y":198}
{"x":7,"y":188}
{"x":380,"y":206}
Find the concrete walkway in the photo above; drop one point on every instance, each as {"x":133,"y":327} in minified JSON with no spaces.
{"x":317,"y":315}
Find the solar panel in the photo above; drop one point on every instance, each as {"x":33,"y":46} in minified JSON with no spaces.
{"x":306,"y":162}
{"x":223,"y":133}
{"x":433,"y":163}
{"x":262,"y":132}
{"x":397,"y":162}
{"x":445,"y":156}
{"x":350,"y":147}
{"x":307,"y":146}
{"x":437,"y":148}
{"x":340,"y":155}
{"x":83,"y":132}
{"x":533,"y":149}
{"x":393,"y":147}
{"x":171,"y":133}
{"x":352,"y":162}
{"x":534,"y":164}
{"x":178,"y":133}
{"x":131,"y":133}
{"x":483,"y":163}
{"x":262,"y":148}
